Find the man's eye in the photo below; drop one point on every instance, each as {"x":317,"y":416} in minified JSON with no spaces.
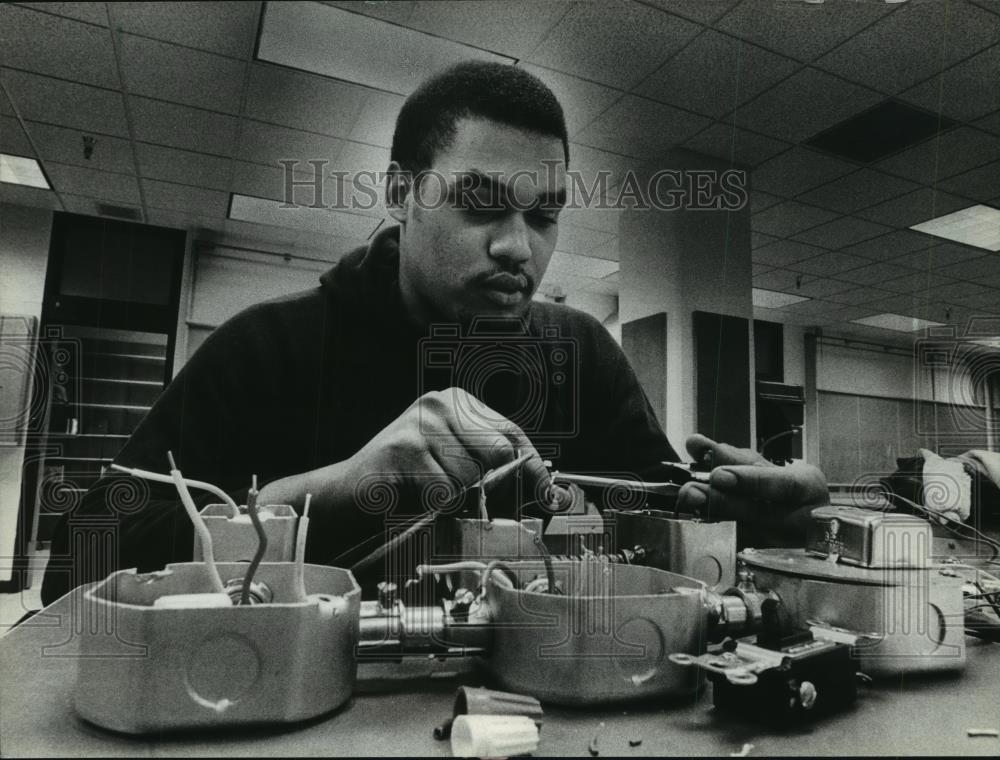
{"x":545,"y":216}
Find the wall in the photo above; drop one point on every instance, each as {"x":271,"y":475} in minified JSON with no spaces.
{"x":24,"y":253}
{"x":877,"y":403}
{"x":679,"y":262}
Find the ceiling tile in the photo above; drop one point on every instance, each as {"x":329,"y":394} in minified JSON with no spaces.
{"x":891,"y":245}
{"x":170,"y":72}
{"x":13,"y":140}
{"x":988,"y":298}
{"x":965,"y":92}
{"x":917,"y":281}
{"x":57,"y":46}
{"x":815,"y":308}
{"x":592,"y":218}
{"x":938,"y":255}
{"x":224,"y":28}
{"x":958,"y":292}
{"x":302,"y":35}
{"x":841,"y":233}
{"x":916,"y":304}
{"x":759,"y":200}
{"x":305,"y":101}
{"x":510,"y":27}
{"x":912,"y":43}
{"x":990,"y":123}
{"x":616,"y":43}
{"x":397,"y":12}
{"x":587,"y":165}
{"x":702,"y":11}
{"x":183,"y":167}
{"x":779,"y":111}
{"x":642,"y":128}
{"x":789,"y":217}
{"x":980,"y":184}
{"x":355,"y":158}
{"x":801,"y":30}
{"x":858,"y":190}
{"x":873,"y":274}
{"x":831,"y":263}
{"x":267,"y":144}
{"x":182,"y":127}
{"x":92,"y":13}
{"x":756,"y":269}
{"x":715,"y":73}
{"x":581,"y":241}
{"x":821,"y":287}
{"x":915,"y":207}
{"x":78,"y":204}
{"x":192,"y":200}
{"x":105,"y":186}
{"x":581,"y":266}
{"x":983,"y":268}
{"x":67,"y":104}
{"x":377,"y":120}
{"x":798,"y":170}
{"x":269,"y":182}
{"x":22,"y":195}
{"x":861,"y":295}
{"x":739,"y":146}
{"x":951,"y":153}
{"x":781,"y":280}
{"x":582,"y":101}
{"x":784,"y":252}
{"x":759,"y":239}
{"x":111,"y":154}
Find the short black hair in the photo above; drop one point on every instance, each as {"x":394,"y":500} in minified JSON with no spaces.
{"x":499,"y":92}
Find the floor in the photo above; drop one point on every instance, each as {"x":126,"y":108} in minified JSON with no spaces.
{"x":14,"y":606}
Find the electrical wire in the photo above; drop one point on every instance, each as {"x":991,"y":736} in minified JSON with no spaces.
{"x":199,"y":484}
{"x":252,"y":495}
{"x":949,"y":522}
{"x":300,"y":548}
{"x":199,"y":525}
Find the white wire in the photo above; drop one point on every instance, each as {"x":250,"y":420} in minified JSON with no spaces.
{"x":199,"y":484}
{"x":300,"y":549}
{"x":200,"y":528}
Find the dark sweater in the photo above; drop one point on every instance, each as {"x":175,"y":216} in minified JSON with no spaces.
{"x":299,"y":382}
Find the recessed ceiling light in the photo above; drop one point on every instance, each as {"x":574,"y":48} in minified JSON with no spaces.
{"x":247,"y":208}
{"x":18,"y":170}
{"x":356,"y":48}
{"x":774,"y":299}
{"x":897,"y":322}
{"x":978,"y":226}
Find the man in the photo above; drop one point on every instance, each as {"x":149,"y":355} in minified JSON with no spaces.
{"x":352,"y":392}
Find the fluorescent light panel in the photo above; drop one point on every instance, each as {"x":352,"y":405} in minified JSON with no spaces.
{"x":18,"y":170}
{"x":978,"y":226}
{"x":355,"y":48}
{"x":897,"y":322}
{"x":246,"y":208}
{"x":775,"y":299}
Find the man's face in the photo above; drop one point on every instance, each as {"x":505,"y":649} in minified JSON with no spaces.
{"x":478,"y":231}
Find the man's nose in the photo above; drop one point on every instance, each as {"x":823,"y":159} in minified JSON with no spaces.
{"x":511,"y":239}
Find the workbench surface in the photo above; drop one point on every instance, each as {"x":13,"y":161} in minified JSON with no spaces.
{"x":395,"y":708}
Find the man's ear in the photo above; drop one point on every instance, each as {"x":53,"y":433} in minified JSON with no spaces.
{"x":398,"y":186}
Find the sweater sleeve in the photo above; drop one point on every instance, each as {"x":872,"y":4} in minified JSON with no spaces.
{"x":202,"y":418}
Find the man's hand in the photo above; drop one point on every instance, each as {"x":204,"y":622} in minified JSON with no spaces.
{"x":443,"y":443}
{"x":772,"y":504}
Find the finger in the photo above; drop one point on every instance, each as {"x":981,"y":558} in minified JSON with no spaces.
{"x":706,"y":451}
{"x":497,"y":440}
{"x":777,"y":484}
{"x":692,"y":498}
